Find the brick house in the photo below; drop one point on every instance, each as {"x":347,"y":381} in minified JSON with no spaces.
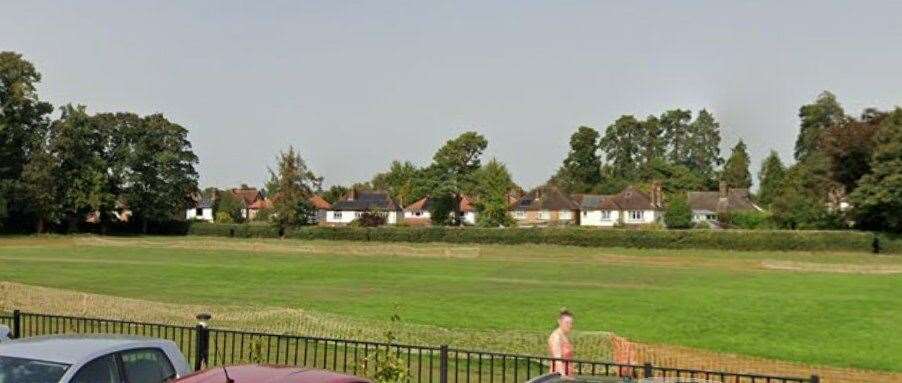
{"x":545,"y":206}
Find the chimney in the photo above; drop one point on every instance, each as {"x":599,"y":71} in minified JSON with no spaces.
{"x":723,"y":189}
{"x":657,"y":194}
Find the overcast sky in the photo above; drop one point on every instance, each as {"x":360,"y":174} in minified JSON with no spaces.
{"x":355,"y":85}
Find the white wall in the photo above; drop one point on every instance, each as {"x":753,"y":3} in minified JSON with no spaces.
{"x":349,"y":216}
{"x":593,"y":218}
{"x":412,"y":215}
{"x":206,"y":214}
{"x":469,"y":218}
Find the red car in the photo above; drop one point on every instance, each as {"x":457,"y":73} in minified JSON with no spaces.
{"x":255,"y":373}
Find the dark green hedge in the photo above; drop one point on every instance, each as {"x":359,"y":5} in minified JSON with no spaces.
{"x":667,"y":239}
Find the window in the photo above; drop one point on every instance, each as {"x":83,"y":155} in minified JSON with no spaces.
{"x":544,"y":214}
{"x":519,"y":214}
{"x":585,"y":213}
{"x":336,"y":215}
{"x":636,"y":215}
{"x":29,"y":370}
{"x":418,"y":213}
{"x":606,"y":215}
{"x":565,"y":214}
{"x":357,"y":214}
{"x":147,"y":366}
{"x":199,"y":212}
{"x":100,"y":370}
{"x":712,"y":217}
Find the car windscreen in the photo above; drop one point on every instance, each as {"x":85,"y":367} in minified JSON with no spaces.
{"x":19,"y":370}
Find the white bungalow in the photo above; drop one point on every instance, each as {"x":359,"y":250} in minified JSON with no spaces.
{"x":355,"y":203}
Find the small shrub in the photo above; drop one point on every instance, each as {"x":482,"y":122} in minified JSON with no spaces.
{"x":678,"y":214}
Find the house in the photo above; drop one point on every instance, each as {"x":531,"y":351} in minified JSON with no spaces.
{"x":201,"y":210}
{"x":355,"y":203}
{"x":545,"y":206}
{"x":708,"y":205}
{"x":630,"y":207}
{"x":322,"y":208}
{"x":252,"y":199}
{"x":418,"y":213}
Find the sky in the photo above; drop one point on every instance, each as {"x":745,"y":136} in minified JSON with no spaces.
{"x":355,"y":85}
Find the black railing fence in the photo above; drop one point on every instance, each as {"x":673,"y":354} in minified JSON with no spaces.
{"x":204,"y":347}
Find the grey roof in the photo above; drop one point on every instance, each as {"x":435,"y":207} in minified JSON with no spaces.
{"x":72,"y":349}
{"x":735,"y":200}
{"x":628,"y":199}
{"x":545,"y":198}
{"x":596,"y":201}
{"x":366,"y":200}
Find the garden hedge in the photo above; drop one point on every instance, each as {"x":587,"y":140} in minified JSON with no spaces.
{"x":668,"y":239}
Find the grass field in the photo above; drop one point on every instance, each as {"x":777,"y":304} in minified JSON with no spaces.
{"x":834,"y":309}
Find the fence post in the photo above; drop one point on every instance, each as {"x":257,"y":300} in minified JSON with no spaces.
{"x":17,"y":324}
{"x":815,"y":379}
{"x":647,"y":370}
{"x":201,"y":342}
{"x":443,"y":373}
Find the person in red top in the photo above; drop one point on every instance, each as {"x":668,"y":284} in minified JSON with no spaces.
{"x":559,"y":345}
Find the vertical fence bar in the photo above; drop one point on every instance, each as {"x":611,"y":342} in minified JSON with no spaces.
{"x":17,"y":324}
{"x":443,"y":363}
{"x":202,"y":346}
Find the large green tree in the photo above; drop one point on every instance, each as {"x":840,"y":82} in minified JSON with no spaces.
{"x":495,"y":184}
{"x":581,"y":171}
{"x":652,"y":142}
{"x":621,"y":145}
{"x":401,"y":181}
{"x":451,"y":174}
{"x":23,"y":124}
{"x":296,"y":184}
{"x":675,"y":124}
{"x":770,"y":178}
{"x":815,"y":118}
{"x":703,"y":148}
{"x":39,"y":182}
{"x":161,"y":179}
{"x":78,"y":146}
{"x":878,"y":198}
{"x":849,"y":146}
{"x":736,"y":171}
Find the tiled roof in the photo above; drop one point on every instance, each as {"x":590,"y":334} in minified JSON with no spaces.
{"x":320,"y":203}
{"x":423,"y":204}
{"x":545,"y":198}
{"x":247,"y":195}
{"x":735,"y":200}
{"x":365,"y":200}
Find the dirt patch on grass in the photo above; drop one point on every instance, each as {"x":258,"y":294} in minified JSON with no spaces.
{"x":831,"y":267}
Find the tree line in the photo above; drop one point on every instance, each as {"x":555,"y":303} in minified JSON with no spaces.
{"x":57,"y":172}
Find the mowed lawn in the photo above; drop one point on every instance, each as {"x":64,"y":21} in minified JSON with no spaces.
{"x":837,"y":309}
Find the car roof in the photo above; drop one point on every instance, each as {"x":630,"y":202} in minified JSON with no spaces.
{"x":73,"y":349}
{"x":256,"y":373}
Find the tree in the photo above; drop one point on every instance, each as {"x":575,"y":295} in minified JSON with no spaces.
{"x":581,"y":170}
{"x":703,"y":149}
{"x":675,"y":178}
{"x":117,"y":132}
{"x":23,"y":124}
{"x":849,"y":146}
{"x":161,"y":179}
{"x":78,"y":147}
{"x":815,"y":118}
{"x":401,"y":182}
{"x":296,"y":183}
{"x":878,"y":198}
{"x":801,"y":202}
{"x":228,"y":204}
{"x":451,"y":171}
{"x":651,"y":141}
{"x":736,"y":170}
{"x":621,"y":145}
{"x":495,"y":184}
{"x":675,"y":125}
{"x":678,"y":214}
{"x":38,"y":178}
{"x":770,"y":178}
{"x":335,"y":193}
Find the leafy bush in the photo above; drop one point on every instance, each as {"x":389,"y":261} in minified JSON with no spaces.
{"x":678,"y":214}
{"x":369,"y":219}
{"x":752,"y":220}
{"x":634,"y":238}
{"x":224,"y":217}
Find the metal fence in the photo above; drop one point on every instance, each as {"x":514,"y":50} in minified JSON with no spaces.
{"x":205,"y":347}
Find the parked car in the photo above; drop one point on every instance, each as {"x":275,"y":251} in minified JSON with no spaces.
{"x":255,"y":373}
{"x":90,"y":359}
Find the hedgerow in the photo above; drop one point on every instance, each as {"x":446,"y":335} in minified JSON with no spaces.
{"x":780,"y":240}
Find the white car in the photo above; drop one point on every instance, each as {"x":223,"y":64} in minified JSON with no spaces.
{"x":90,"y":359}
